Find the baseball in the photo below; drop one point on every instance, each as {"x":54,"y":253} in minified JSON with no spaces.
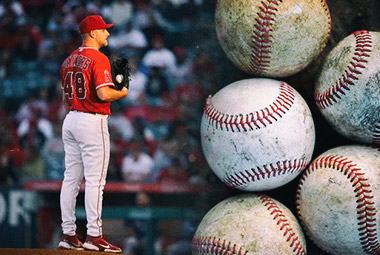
{"x":272,"y":38}
{"x":249,"y":224}
{"x":119,"y":78}
{"x":338,"y":200}
{"x":348,"y":87}
{"x":257,"y":134}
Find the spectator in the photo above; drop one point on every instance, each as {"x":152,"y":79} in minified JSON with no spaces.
{"x":137,"y":165}
{"x":27,"y":47}
{"x":9,"y":29}
{"x":34,"y":165}
{"x":156,"y":86}
{"x":56,"y":111}
{"x":10,"y":139}
{"x":188,"y":116}
{"x":174,"y":173}
{"x":205,"y":69}
{"x":163,"y":154}
{"x":143,"y":132}
{"x":72,"y":42}
{"x":25,"y":110}
{"x":35,"y":131}
{"x":114,"y":172}
{"x":42,"y":102}
{"x":7,"y":170}
{"x":199,"y":170}
{"x":182,"y":244}
{"x":149,"y":20}
{"x":191,"y":92}
{"x":73,"y":13}
{"x":121,"y":124}
{"x":6,"y":62}
{"x":128,"y":41}
{"x":151,"y":29}
{"x":181,"y":74}
{"x":50,"y":54}
{"x":159,"y":55}
{"x":134,"y":243}
{"x":121,"y":12}
{"x":140,"y":109}
{"x":97,"y":7}
{"x":11,"y":6}
{"x":53,"y":154}
{"x":187,"y":143}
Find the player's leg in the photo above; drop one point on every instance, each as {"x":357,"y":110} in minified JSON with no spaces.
{"x":73,"y":176}
{"x":95,"y":155}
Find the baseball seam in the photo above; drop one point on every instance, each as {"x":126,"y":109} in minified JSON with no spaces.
{"x":281,"y":220}
{"x":351,"y":74}
{"x":366,"y":213}
{"x":213,"y":245}
{"x":254,"y":120}
{"x":266,"y":171}
{"x":261,"y":35}
{"x":376,"y":133}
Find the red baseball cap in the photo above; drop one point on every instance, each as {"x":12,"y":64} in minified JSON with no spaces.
{"x":93,"y":22}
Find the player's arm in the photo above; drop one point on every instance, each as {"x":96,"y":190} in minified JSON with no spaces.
{"x":109,"y":94}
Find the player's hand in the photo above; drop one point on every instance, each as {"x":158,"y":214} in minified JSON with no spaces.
{"x":120,"y":70}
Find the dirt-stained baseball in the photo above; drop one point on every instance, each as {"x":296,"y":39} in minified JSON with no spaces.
{"x":119,"y":78}
{"x":249,"y":224}
{"x":338,"y":200}
{"x":257,"y":134}
{"x":272,"y":38}
{"x":348,"y":87}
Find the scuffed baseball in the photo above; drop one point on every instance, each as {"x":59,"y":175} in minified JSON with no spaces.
{"x":272,"y":38}
{"x":347,"y":91}
{"x":257,"y":134}
{"x":119,"y":78}
{"x":249,"y":224}
{"x":338,"y":200}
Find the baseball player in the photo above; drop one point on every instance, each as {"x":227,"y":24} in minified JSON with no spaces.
{"x":89,"y":87}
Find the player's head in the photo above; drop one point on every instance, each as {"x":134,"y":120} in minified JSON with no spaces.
{"x":93,"y":28}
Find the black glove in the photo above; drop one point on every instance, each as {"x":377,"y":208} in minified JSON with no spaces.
{"x":120,"y":66}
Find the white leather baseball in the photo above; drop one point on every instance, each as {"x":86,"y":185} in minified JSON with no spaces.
{"x":348,"y":87}
{"x":119,"y":78}
{"x":272,"y":38}
{"x":257,"y":134}
{"x":338,"y":200}
{"x":249,"y":224}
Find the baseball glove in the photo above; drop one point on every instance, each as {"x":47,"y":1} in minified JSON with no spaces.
{"x":120,"y":70}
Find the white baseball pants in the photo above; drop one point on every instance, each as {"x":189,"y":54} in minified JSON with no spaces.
{"x":87,"y":149}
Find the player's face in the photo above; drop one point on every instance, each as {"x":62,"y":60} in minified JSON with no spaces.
{"x":101,"y":37}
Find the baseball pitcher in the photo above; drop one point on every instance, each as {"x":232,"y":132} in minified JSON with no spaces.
{"x":89,"y":86}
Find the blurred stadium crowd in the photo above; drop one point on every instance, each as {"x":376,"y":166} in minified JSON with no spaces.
{"x":154,"y":130}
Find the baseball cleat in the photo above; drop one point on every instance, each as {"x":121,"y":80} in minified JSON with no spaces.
{"x":99,"y":244}
{"x":70,"y":243}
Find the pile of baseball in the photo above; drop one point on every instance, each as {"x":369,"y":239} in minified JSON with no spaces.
{"x":258,"y":134}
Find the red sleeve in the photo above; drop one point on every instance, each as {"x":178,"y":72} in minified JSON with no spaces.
{"x":102,"y":72}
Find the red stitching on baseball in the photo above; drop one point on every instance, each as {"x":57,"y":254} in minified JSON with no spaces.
{"x":376,"y":133}
{"x":284,"y":225}
{"x":261,"y":38}
{"x":354,"y":70}
{"x":329,"y":22}
{"x":215,"y":246}
{"x":266,"y":171}
{"x":254,"y":120}
{"x":366,"y":213}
